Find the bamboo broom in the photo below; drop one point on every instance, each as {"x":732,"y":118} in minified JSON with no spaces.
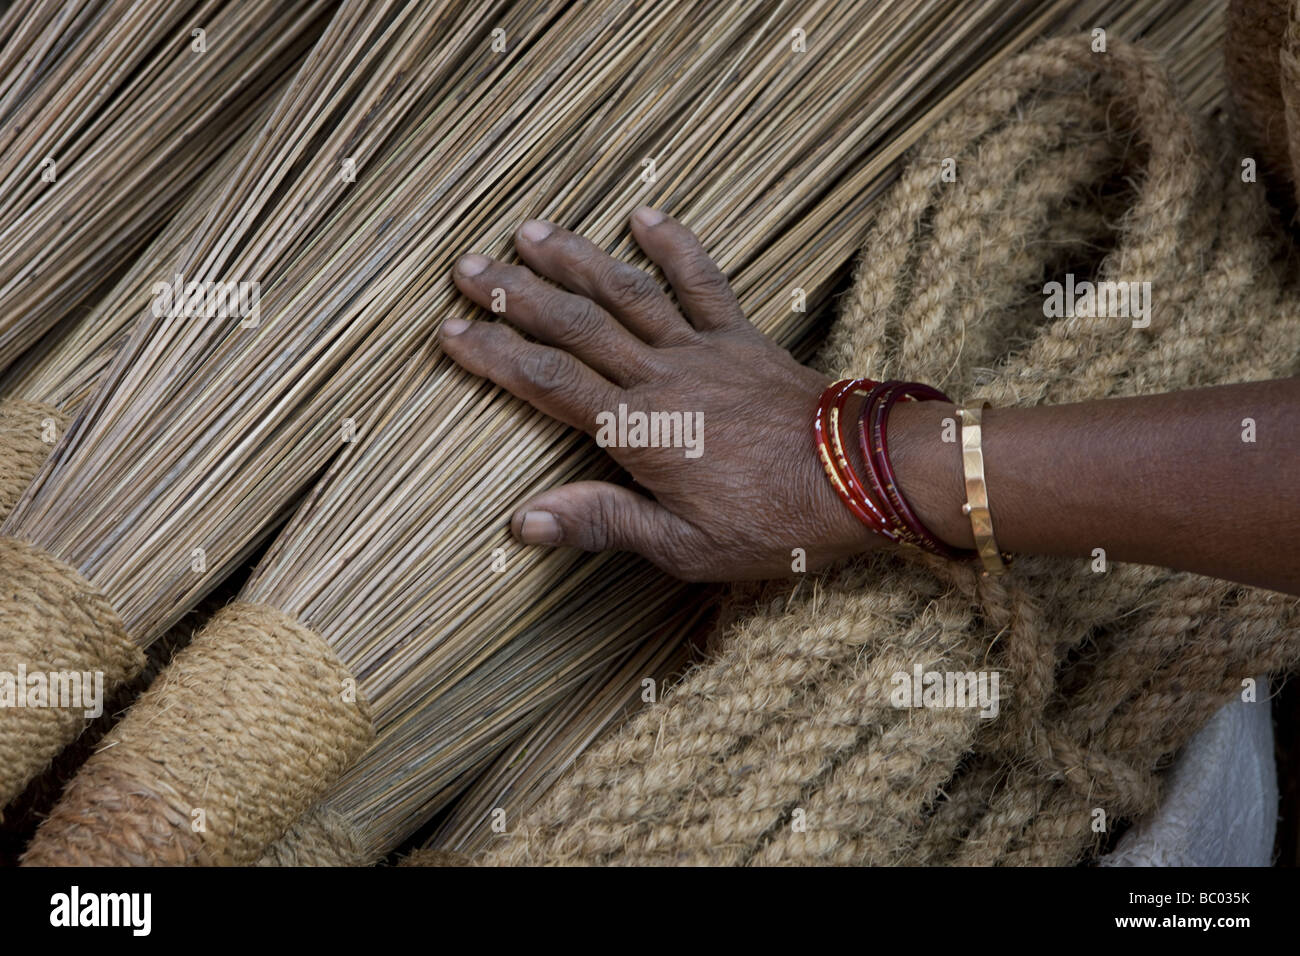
{"x":508,"y":99}
{"x":109,"y":112}
{"x":382,"y":644}
{"x":41,"y":394}
{"x":201,"y":434}
{"x":365,"y":811}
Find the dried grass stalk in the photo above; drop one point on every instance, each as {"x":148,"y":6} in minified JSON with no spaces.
{"x":113,"y":102}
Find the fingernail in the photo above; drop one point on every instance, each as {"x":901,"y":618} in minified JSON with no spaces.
{"x":454,"y":326}
{"x":534,"y":230}
{"x":472,"y":264}
{"x":539,"y":527}
{"x":648,"y":216}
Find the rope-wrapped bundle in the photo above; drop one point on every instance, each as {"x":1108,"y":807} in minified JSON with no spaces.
{"x":201,"y":434}
{"x":786,"y":748}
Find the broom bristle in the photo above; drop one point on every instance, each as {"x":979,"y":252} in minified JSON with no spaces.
{"x":108,"y":114}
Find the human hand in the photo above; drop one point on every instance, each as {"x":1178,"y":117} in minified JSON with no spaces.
{"x":731,"y":500}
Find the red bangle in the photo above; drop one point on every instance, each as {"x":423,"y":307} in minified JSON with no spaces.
{"x":873,"y":436}
{"x":830,"y":449}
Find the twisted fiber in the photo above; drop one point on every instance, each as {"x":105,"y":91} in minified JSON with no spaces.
{"x":959,"y":804}
{"x":1257,"y":634}
{"x":247,"y":724}
{"x":765,"y":781}
{"x":901,"y":769}
{"x":22,"y":448}
{"x":632,"y":799}
{"x":320,"y":837}
{"x":54,"y":621}
{"x":1113,"y":671}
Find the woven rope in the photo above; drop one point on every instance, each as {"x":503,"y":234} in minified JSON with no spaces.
{"x":23,"y":446}
{"x":238,"y":735}
{"x":54,"y":622}
{"x":320,"y":837}
{"x":783,"y":749}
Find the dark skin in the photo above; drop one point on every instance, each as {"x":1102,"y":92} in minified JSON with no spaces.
{"x":1164,"y":480}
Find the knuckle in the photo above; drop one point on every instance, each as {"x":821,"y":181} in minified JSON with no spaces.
{"x":628,"y":287}
{"x":698,"y":275}
{"x":602,"y":524}
{"x":582,"y":325}
{"x":546,"y":370}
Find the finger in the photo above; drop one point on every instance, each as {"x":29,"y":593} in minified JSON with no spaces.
{"x":560,"y":318}
{"x":598,"y":516}
{"x":627,"y":293}
{"x":701,"y":288}
{"x":549,"y":379}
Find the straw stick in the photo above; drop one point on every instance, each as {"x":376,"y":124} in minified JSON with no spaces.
{"x":523,"y":772}
{"x":108,"y":114}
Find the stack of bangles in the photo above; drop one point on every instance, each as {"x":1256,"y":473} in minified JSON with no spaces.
{"x":879,"y":503}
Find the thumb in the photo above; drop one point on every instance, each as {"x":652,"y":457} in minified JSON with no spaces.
{"x":599,"y":516}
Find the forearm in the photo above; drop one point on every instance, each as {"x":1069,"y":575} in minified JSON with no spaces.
{"x":1167,"y":480}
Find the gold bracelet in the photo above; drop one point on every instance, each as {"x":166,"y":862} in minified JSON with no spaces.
{"x":977,"y":492}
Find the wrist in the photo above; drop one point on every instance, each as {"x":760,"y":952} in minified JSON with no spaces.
{"x":925,"y":451}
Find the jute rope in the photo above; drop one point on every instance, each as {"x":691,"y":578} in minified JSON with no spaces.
{"x":56,"y":623}
{"x":785,"y":748}
{"x":320,"y":837}
{"x":238,"y":736}
{"x":23,"y":446}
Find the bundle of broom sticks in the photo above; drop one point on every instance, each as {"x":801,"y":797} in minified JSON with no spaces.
{"x":204,"y":429}
{"x":109,"y":112}
{"x":350,"y":582}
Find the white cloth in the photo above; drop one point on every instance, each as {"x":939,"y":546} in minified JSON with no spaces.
{"x":1220,"y":802}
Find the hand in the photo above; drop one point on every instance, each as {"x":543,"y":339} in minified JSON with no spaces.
{"x":731,"y":500}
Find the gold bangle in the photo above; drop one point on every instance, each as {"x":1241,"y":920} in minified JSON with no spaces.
{"x":977,"y":492}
